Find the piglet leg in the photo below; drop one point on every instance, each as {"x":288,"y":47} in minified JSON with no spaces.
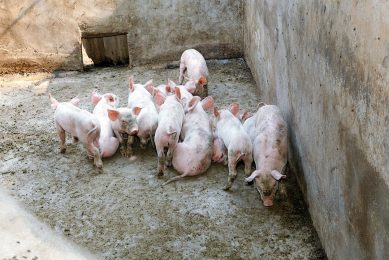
{"x":128,"y":146}
{"x":161,"y":161}
{"x":182,"y":71}
{"x":61,"y":134}
{"x":169,"y":157}
{"x":231,"y":171}
{"x":123,"y":140}
{"x":94,"y":151}
{"x":143,"y":143}
{"x":283,"y":192}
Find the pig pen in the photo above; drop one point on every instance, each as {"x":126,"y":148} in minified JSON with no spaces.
{"x":124,"y":211}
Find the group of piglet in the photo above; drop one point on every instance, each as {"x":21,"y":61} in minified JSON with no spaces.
{"x":174,"y":117}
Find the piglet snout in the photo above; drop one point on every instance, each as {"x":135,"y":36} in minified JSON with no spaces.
{"x":268,"y":201}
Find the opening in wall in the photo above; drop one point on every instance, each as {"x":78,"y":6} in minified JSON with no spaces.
{"x":105,"y":49}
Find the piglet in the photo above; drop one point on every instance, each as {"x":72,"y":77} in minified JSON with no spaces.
{"x":248,"y":122}
{"x":166,"y":89}
{"x":108,"y":142}
{"x":193,"y":156}
{"x":125,"y":127}
{"x":81,"y":124}
{"x":231,"y":133}
{"x":170,"y":119}
{"x":249,"y":127}
{"x":193,"y":64}
{"x":269,"y":152}
{"x":142,"y":96}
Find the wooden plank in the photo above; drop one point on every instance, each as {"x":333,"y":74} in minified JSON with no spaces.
{"x":116,"y":49}
{"x":107,"y":50}
{"x":94,"y":47}
{"x":101,"y":35}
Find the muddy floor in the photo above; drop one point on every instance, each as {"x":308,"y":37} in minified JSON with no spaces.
{"x":124,"y":212}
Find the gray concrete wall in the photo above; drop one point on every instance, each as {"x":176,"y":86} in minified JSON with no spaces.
{"x":326,"y":64}
{"x":46,"y":34}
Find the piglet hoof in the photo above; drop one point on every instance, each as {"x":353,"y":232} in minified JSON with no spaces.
{"x":99,"y":165}
{"x":98,"y":162}
{"x":75,"y":139}
{"x":283,"y":193}
{"x":142,"y":146}
{"x":62,"y":150}
{"x":160,"y":170}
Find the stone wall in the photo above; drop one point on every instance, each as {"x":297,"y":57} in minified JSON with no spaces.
{"x":46,"y":34}
{"x":326,"y":64}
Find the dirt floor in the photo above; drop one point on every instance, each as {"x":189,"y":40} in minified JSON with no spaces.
{"x":123,"y":211}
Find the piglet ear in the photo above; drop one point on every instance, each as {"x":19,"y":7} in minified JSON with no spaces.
{"x":95,"y":98}
{"x":190,"y":86}
{"x":202,"y":81}
{"x":131,"y":84}
{"x":113,"y":114}
{"x":234,"y":108}
{"x":277,"y":175}
{"x":178,"y":93}
{"x":149,"y":87}
{"x":110,"y":98}
{"x":75,"y":101}
{"x":207,"y":103}
{"x":136,"y":110}
{"x":193,"y":103}
{"x":216,"y":112}
{"x":168,"y":89}
{"x":159,"y":98}
{"x":54,"y":102}
{"x":244,"y":116}
{"x":171,"y":83}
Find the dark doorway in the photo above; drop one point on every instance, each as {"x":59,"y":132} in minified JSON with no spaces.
{"x":105,"y":49}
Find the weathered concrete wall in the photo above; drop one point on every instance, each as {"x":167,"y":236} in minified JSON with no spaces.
{"x":46,"y":34}
{"x":326,"y":64}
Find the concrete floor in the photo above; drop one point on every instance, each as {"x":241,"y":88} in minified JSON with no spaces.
{"x":124,"y":212}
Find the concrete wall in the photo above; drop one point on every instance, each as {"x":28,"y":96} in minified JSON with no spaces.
{"x":46,"y":34}
{"x":326,"y":64}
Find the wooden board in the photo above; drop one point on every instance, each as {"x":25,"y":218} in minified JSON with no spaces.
{"x":109,"y":50}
